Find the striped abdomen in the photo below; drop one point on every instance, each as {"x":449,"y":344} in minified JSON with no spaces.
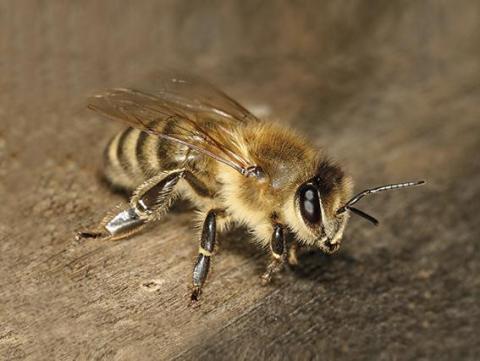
{"x":132,"y":156}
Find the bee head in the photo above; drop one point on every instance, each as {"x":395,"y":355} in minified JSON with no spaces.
{"x":323,"y":205}
{"x":317,"y":202}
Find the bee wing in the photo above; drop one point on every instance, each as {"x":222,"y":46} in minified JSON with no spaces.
{"x":197,"y":95}
{"x":197,"y":126}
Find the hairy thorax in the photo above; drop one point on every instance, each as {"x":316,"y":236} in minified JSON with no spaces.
{"x":255,"y":201}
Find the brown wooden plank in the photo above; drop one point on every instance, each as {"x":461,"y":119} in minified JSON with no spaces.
{"x":391,"y":89}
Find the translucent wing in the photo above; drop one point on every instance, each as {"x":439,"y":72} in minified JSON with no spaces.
{"x":195,"y":94}
{"x":180,"y":113}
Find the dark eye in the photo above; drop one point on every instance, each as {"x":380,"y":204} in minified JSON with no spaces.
{"x":310,"y":204}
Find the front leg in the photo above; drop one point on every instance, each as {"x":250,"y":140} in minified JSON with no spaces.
{"x":278,"y":250}
{"x":293,"y":253}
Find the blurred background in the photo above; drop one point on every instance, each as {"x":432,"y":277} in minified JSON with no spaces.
{"x":390,"y":88}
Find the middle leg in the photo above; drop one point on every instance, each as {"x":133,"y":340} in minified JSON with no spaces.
{"x":205,"y":253}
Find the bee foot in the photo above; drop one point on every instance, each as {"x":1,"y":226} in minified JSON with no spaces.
{"x":90,"y":235}
{"x":266,"y":278}
{"x":194,"y":301}
{"x":273,"y":268}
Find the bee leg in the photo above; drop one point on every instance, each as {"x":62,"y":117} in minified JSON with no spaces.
{"x":278,"y":249}
{"x":117,"y":226}
{"x":149,"y":201}
{"x":292,"y":254}
{"x":88,"y":234}
{"x":205,"y":252}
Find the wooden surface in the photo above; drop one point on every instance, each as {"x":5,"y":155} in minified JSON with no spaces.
{"x":391,"y":89}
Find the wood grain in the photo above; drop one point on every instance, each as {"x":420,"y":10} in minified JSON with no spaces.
{"x":390,"y":89}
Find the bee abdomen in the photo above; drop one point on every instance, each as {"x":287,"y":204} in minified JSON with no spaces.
{"x":130,"y":158}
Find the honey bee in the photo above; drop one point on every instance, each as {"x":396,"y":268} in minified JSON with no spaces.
{"x":188,"y":138}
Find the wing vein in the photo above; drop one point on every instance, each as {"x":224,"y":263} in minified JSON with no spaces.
{"x":191,"y":113}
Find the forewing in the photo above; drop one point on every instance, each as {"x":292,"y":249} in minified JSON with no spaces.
{"x":195,"y":127}
{"x":196,"y":94}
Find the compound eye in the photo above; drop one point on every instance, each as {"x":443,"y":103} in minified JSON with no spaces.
{"x":310,"y":204}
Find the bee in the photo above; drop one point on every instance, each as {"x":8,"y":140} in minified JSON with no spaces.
{"x":186,"y":137}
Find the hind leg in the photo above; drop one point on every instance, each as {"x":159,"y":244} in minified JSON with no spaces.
{"x":148,"y":203}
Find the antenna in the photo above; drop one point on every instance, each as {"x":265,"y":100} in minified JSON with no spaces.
{"x":366,"y":192}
